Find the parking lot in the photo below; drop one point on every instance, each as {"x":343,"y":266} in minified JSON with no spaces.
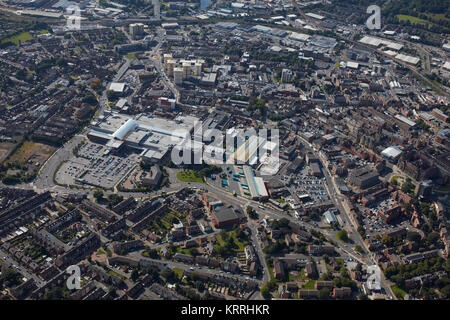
{"x":96,"y":165}
{"x":305,"y":184}
{"x":233,"y":183}
{"x":374,"y":224}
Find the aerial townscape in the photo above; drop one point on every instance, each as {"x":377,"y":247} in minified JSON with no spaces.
{"x":224,"y":150}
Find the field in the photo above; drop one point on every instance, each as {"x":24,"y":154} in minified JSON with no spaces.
{"x":5,"y":149}
{"x":399,"y":293}
{"x":179,"y":272}
{"x":31,"y":151}
{"x":189,"y":176}
{"x":21,"y":37}
{"x":309,"y":285}
{"x":240,"y":244}
{"x":412,"y":20}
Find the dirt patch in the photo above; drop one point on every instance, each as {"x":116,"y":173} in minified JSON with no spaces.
{"x":32,"y":153}
{"x":5,"y":149}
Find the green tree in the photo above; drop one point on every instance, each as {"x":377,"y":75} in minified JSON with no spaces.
{"x":342,"y":235}
{"x":134,"y":275}
{"x":413,"y":236}
{"x":98,"y":195}
{"x":265,"y":292}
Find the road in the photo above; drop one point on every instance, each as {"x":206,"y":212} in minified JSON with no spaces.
{"x":186,"y":267}
{"x":13,"y":263}
{"x":349,"y":223}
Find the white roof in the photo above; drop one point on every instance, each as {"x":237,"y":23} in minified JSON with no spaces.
{"x":117,"y":86}
{"x":391,"y":152}
{"x":299,"y":36}
{"x":376,"y":42}
{"x":353,"y":65}
{"x":447,"y":65}
{"x":315,"y":16}
{"x":405,"y":120}
{"x":408,"y":59}
{"x":125,"y":129}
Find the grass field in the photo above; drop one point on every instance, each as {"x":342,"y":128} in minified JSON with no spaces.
{"x":111,"y":272}
{"x":30,"y":149}
{"x":240,"y":244}
{"x":411,"y":19}
{"x":309,"y":285}
{"x":179,"y":272}
{"x":189,"y":176}
{"x":399,"y":293}
{"x":437,"y":16}
{"x":301,"y":276}
{"x":130,"y":56}
{"x":5,"y":149}
{"x":21,"y":37}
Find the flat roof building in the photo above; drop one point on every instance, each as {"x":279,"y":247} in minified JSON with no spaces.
{"x":226,"y":216}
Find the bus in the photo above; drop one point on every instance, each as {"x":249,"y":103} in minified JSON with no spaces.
{"x":235,"y":175}
{"x":235,"y":178}
{"x":244,"y":184}
{"x":213,"y":176}
{"x":224,"y":182}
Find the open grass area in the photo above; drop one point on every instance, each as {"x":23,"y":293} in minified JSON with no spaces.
{"x":399,"y":293}
{"x":130,"y":56}
{"x":309,"y":285}
{"x":29,"y":149}
{"x":19,"y":38}
{"x":5,"y":149}
{"x":179,"y":272}
{"x":437,"y":16}
{"x":111,"y":272}
{"x":240,"y":244}
{"x":189,"y":176}
{"x":411,"y":19}
{"x":342,"y":236}
{"x":293,"y":276}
